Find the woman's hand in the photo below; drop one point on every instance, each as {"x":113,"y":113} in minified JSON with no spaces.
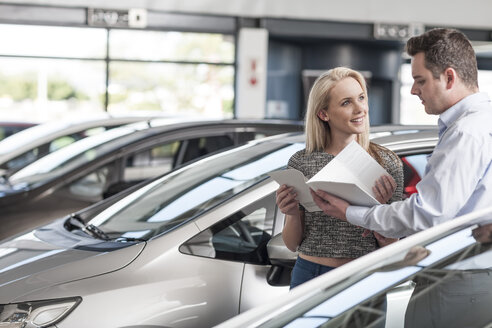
{"x":384,"y":188}
{"x":382,"y":240}
{"x":286,"y":200}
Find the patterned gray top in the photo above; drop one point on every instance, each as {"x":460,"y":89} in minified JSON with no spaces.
{"x":326,"y":236}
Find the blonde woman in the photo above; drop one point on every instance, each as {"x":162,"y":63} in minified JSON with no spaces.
{"x":337,"y":113}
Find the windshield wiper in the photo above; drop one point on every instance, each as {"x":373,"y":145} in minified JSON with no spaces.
{"x":129,"y":239}
{"x":96,"y":232}
{"x":74,"y":221}
{"x":4,"y":179}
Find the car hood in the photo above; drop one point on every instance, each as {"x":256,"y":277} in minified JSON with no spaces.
{"x":41,"y":259}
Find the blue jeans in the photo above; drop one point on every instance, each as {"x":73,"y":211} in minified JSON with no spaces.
{"x":305,"y":270}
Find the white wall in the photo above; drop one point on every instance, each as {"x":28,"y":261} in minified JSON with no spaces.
{"x":471,"y":13}
{"x":252,"y":73}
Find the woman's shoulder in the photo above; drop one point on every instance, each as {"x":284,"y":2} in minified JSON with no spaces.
{"x":389,"y":160}
{"x":385,"y":153}
{"x":303,"y":154}
{"x":303,"y":157}
{"x":299,"y":153}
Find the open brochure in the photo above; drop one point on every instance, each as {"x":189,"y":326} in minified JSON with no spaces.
{"x":350,"y":175}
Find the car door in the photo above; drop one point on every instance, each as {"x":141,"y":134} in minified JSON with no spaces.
{"x":262,"y":281}
{"x":241,"y":237}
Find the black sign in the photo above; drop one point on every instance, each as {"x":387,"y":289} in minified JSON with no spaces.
{"x":107,"y":17}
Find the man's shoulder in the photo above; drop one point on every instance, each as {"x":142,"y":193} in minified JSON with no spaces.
{"x":475,"y":121}
{"x":475,"y":126}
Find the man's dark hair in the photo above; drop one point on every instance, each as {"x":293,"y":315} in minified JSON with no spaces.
{"x":444,"y":48}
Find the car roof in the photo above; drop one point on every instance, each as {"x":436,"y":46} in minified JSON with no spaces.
{"x":329,"y":284}
{"x":40,"y":134}
{"x":116,"y":138}
{"x":18,"y":123}
{"x":391,"y":136}
{"x":405,"y":140}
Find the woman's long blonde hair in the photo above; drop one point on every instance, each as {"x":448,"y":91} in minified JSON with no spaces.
{"x":318,"y":131}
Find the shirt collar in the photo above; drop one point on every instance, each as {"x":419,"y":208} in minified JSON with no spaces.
{"x":454,"y":112}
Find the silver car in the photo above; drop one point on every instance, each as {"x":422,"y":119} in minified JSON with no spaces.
{"x":441,"y":278}
{"x":26,"y":146}
{"x":96,"y":167}
{"x":188,"y":249}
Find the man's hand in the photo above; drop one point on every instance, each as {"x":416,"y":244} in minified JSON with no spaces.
{"x":330,"y":205}
{"x":483,"y":234}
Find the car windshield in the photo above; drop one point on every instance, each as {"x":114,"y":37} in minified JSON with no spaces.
{"x":71,"y":156}
{"x":177,"y":197}
{"x":435,"y":282}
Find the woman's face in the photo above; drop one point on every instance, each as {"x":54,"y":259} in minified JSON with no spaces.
{"x":347,"y":109}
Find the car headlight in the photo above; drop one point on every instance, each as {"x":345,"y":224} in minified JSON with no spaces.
{"x":36,"y":314}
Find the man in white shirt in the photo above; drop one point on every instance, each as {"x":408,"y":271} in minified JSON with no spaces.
{"x":458,"y":176}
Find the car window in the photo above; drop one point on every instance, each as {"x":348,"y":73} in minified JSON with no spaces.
{"x":74,"y":155}
{"x":151,"y":162}
{"x":22,"y":160}
{"x":432,"y":286}
{"x":92,"y":186}
{"x":192,"y":149}
{"x":61,"y":142}
{"x":163,"y":158}
{"x":7,"y":131}
{"x":240,"y":237}
{"x":184,"y":194}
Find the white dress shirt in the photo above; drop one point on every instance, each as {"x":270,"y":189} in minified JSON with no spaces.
{"x":457,"y":178}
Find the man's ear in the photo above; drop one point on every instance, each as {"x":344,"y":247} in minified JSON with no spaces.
{"x":323,"y":115}
{"x":450,"y":77}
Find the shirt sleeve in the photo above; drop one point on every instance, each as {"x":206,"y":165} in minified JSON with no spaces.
{"x":451,"y":176}
{"x":356,"y":214}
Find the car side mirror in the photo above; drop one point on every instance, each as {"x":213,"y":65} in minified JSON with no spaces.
{"x":278,"y":253}
{"x":282,"y":260}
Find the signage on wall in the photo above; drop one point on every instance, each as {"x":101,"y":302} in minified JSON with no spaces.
{"x":136,"y":18}
{"x":253,"y":79}
{"x":252,"y":74}
{"x":389,"y":31}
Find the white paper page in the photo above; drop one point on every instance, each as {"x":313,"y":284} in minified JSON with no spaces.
{"x":362,"y":165}
{"x":348,"y":191}
{"x":295,"y":178}
{"x":353,"y":165}
{"x":335,"y":171}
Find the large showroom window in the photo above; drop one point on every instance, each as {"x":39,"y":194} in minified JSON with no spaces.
{"x":174,"y":72}
{"x":49,"y":72}
{"x":411,"y":109}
